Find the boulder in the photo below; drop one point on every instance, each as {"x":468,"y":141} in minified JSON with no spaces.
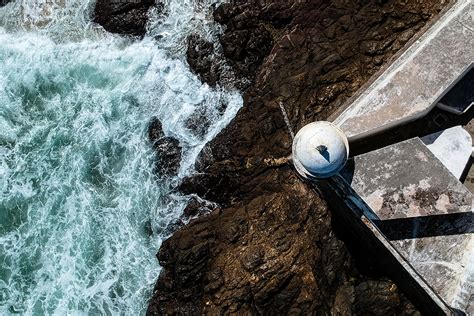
{"x":123,"y":17}
{"x":196,"y":207}
{"x":168,"y":150}
{"x":201,"y":56}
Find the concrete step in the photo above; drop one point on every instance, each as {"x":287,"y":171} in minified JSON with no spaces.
{"x":453,"y":147}
{"x":424,"y":212}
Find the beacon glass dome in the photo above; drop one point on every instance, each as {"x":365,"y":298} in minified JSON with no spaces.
{"x":320,"y":150}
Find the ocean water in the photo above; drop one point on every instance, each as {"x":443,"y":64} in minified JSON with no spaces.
{"x":77,"y":191}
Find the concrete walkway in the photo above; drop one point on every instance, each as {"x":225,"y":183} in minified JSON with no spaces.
{"x":417,"y":211}
{"x":418,"y":79}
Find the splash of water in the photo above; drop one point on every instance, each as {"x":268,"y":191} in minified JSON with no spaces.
{"x":76,"y":189}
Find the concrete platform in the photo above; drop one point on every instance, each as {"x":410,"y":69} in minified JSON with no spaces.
{"x":453,"y":147}
{"x":424,"y":213}
{"x":418,"y":79}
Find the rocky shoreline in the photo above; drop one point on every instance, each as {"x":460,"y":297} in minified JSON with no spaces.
{"x":271,"y":247}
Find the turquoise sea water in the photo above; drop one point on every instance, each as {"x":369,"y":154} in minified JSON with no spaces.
{"x":76,"y":188}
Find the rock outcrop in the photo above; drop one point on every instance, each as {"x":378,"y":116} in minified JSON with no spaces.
{"x":201,"y":56}
{"x":271,"y":247}
{"x":276,"y":254}
{"x":168,"y":150}
{"x":124,"y":17}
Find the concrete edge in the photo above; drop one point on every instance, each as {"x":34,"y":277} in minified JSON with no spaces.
{"x":391,"y":61}
{"x":412,"y":118}
{"x":447,"y":108}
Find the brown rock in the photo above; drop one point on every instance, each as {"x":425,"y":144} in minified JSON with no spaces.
{"x":167,"y":148}
{"x":272,"y":248}
{"x":200,"y":56}
{"x":197,"y":207}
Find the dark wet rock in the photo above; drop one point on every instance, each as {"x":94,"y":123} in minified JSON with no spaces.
{"x":246,"y":49}
{"x":199,"y":122}
{"x":243,"y":49}
{"x":207,"y":60}
{"x":271,"y":248}
{"x":381,"y":297}
{"x":155,"y":130}
{"x":169,"y":155}
{"x":4,"y":2}
{"x":148,"y":228}
{"x":197,"y":207}
{"x":167,"y":148}
{"x":201,"y":56}
{"x":317,"y":61}
{"x":173,"y":226}
{"x":127,"y":17}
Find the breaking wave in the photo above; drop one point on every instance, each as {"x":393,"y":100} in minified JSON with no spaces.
{"x":77,"y":193}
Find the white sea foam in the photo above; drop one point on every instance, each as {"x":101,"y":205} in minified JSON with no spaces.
{"x":76,"y":182}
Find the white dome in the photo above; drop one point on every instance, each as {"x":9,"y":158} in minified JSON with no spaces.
{"x":320,"y":150}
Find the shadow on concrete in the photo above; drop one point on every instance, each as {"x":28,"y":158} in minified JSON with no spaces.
{"x":435,"y":121}
{"x":373,"y":254}
{"x":411,"y":227}
{"x":368,"y":239}
{"x":348,"y":171}
{"x":465,"y":173}
{"x":461,"y":96}
{"x":426,"y":226}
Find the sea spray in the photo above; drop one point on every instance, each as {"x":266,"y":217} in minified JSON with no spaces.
{"x":77,"y":191}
